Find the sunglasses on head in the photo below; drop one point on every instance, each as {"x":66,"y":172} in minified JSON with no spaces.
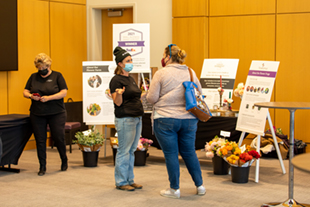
{"x":170,"y":48}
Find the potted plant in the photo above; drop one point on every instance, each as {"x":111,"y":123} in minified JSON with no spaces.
{"x":90,"y":142}
{"x":212,"y":148}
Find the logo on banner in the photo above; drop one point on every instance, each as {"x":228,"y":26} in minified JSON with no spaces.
{"x":132,"y":41}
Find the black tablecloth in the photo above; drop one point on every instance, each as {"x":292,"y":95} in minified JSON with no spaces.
{"x":15,"y":131}
{"x":206,"y":130}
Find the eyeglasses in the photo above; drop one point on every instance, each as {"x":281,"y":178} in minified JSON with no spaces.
{"x":170,"y":48}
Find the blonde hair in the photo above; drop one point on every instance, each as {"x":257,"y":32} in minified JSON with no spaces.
{"x":118,"y":70}
{"x":42,"y":59}
{"x":177,"y":55}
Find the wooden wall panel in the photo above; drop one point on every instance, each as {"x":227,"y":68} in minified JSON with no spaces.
{"x":70,"y":1}
{"x":68,"y":44}
{"x":241,"y":7}
{"x":285,"y":6}
{"x":186,"y":8}
{"x":3,"y":92}
{"x":33,"y":38}
{"x":293,"y":51}
{"x":107,"y":30}
{"x":191,"y":35}
{"x":244,"y":37}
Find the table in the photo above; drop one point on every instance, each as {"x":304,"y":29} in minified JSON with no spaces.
{"x":292,"y":107}
{"x":15,"y":131}
{"x":302,"y":162}
{"x":206,"y":131}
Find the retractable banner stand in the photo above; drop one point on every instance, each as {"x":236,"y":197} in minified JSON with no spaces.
{"x":134,"y":38}
{"x":258,"y":88}
{"x":218,"y":73}
{"x":98,"y":108}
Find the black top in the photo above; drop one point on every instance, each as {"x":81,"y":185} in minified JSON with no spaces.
{"x":49,"y":85}
{"x":131,"y":106}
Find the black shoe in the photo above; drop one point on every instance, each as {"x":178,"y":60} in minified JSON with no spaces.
{"x":64,"y":165}
{"x":42,"y":171}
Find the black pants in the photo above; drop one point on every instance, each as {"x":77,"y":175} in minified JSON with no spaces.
{"x":56,"y":123}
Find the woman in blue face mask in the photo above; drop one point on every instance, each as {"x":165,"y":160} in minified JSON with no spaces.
{"x":128,"y":119}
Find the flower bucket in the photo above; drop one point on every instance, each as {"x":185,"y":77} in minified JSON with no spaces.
{"x":90,"y":159}
{"x":140,"y":157}
{"x":240,"y":174}
{"x":220,"y":166}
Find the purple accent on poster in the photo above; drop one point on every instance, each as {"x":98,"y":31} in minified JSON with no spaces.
{"x":131,"y":43}
{"x":260,"y":73}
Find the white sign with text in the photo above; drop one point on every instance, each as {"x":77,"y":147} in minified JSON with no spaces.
{"x":258,"y":88}
{"x":217,"y":72}
{"x":134,"y":38}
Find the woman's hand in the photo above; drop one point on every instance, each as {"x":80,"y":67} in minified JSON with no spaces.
{"x":117,"y":96}
{"x":44,"y":99}
{"x":36,"y":98}
{"x":120,"y":91}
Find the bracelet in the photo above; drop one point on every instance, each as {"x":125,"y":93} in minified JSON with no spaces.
{"x":30,"y":95}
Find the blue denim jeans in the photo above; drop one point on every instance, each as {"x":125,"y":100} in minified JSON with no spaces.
{"x":128,"y":131}
{"x":178,"y":136}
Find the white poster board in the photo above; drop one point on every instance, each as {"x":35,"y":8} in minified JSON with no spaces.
{"x":212,"y":71}
{"x":98,"y":107}
{"x":258,"y":88}
{"x":134,"y":38}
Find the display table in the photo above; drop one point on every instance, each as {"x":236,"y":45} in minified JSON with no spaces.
{"x":292,"y":107}
{"x":206,"y":131}
{"x":15,"y":131}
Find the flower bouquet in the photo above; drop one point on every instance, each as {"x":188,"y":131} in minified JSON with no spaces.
{"x":228,"y":102}
{"x":212,"y":148}
{"x":144,"y":144}
{"x":238,"y":92}
{"x":242,"y":157}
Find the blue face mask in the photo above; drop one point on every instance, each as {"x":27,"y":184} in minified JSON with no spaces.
{"x":128,"y":67}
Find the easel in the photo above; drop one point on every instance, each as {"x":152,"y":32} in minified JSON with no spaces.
{"x":258,"y":147}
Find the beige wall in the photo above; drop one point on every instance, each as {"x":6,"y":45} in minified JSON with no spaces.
{"x":157,"y":13}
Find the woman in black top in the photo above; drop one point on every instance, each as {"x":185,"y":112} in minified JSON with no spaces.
{"x":128,"y":119}
{"x":46,"y":89}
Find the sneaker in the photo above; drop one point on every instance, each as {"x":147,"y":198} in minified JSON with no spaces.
{"x":136,"y":186}
{"x":201,"y":190}
{"x":171,"y":193}
{"x":125,"y":187}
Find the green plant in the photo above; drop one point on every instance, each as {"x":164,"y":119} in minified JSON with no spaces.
{"x":89,"y":138}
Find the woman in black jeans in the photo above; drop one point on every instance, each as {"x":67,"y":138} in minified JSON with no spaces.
{"x":46,"y":89}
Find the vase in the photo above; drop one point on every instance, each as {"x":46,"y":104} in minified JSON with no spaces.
{"x":140,"y":157}
{"x":220,"y":166}
{"x":90,"y":159}
{"x":240,"y":174}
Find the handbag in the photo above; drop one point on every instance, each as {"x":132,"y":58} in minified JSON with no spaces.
{"x":194,"y":100}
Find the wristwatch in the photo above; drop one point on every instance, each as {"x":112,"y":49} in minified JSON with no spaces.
{"x":30,"y":95}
